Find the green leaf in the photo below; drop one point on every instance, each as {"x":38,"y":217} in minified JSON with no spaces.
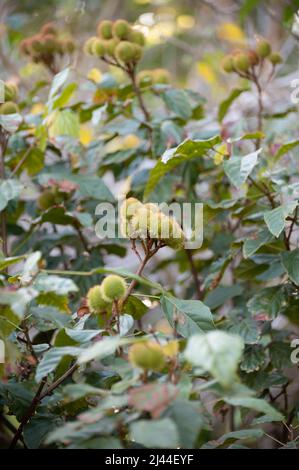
{"x":221,"y":294}
{"x":256,"y":404}
{"x":234,"y":436}
{"x":275,"y":219}
{"x":187,"y":316}
{"x":238,"y":169}
{"x":5,"y":262}
{"x":253,"y":244}
{"x":135,"y":307}
{"x":58,"y":81}
{"x":254,"y":357}
{"x":290,"y":262}
{"x":64,"y":123}
{"x":9,"y":189}
{"x":102,"y":348}
{"x":246,"y":328}
{"x":160,"y":433}
{"x":284,"y":149}
{"x":188,"y":418}
{"x":65,"y":96}
{"x":34,"y":162}
{"x":82,"y":336}
{"x":225,"y":105}
{"x":52,"y":358}
{"x":178,"y":102}
{"x":267,"y":301}
{"x":173,"y":157}
{"x":51,"y":283}
{"x":216,"y":352}
{"x":10,"y":122}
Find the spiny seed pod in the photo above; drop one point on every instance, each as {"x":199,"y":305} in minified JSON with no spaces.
{"x":10,"y":92}
{"x":228,"y":64}
{"x":88,"y":45}
{"x":95,"y":300}
{"x":47,"y":199}
{"x":275,"y":58}
{"x":24,"y":47}
{"x":114,"y":287}
{"x":121,"y":29}
{"x":9,"y":108}
{"x":36,"y":44}
{"x":104,"y":29}
{"x":125,"y":52}
{"x":110,"y":45}
{"x":137,"y":37}
{"x":68,"y":46}
{"x":98,"y":47}
{"x":129,"y":207}
{"x":263,"y":48}
{"x":147,"y":356}
{"x":49,"y":28}
{"x":241,"y":62}
{"x":49,"y":43}
{"x":137,"y":52}
{"x":169,"y":231}
{"x":161,"y":76}
{"x":145,"y":77}
{"x":253,"y":57}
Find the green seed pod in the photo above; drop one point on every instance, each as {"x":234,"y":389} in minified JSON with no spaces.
{"x":147,"y":356}
{"x":137,"y":37}
{"x":145,"y":78}
{"x":104,"y":29}
{"x":98,"y":47}
{"x":241,"y":62}
{"x":67,"y":46}
{"x":110,"y":46}
{"x":161,"y":76}
{"x":47,"y":199}
{"x":49,"y":28}
{"x":9,"y":108}
{"x":10,"y":92}
{"x":127,"y":212}
{"x":137,"y":52}
{"x":121,"y":29}
{"x":275,"y":58}
{"x":228,"y":64}
{"x":96,"y":301}
{"x":88,"y":45}
{"x":125,"y":52}
{"x":113,"y":287}
{"x":263,"y":48}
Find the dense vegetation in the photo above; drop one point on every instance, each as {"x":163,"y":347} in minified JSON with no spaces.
{"x":143,"y":341}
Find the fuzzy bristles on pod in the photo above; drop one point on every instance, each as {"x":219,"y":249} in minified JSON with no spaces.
{"x":121,"y":29}
{"x":145,"y":77}
{"x":113,"y":287}
{"x":227,"y":64}
{"x":275,"y":58}
{"x":125,"y":52}
{"x":104,"y":29}
{"x":10,"y":92}
{"x":89,"y":45}
{"x":161,"y":76}
{"x":137,"y":37}
{"x":96,"y":301}
{"x":253,"y":57}
{"x":147,"y":356}
{"x":241,"y":62}
{"x":9,"y":108}
{"x":47,"y":199}
{"x":98,"y":47}
{"x":110,"y":46}
{"x":263,"y":48}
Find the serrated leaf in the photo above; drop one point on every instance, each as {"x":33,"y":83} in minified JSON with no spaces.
{"x":64,"y":123}
{"x":256,"y":241}
{"x":256,"y":404}
{"x":238,"y":169}
{"x":52,"y":358}
{"x":173,"y":157}
{"x":187,"y":316}
{"x":267,"y":301}
{"x":275,"y":219}
{"x":253,"y":358}
{"x":159,"y":433}
{"x":290,"y":262}
{"x":247,"y":329}
{"x":178,"y":102}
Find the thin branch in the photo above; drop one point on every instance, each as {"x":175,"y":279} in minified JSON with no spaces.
{"x":198,"y":290}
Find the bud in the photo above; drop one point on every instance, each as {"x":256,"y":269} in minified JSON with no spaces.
{"x":241,"y":62}
{"x":89,"y":44}
{"x":147,"y":356}
{"x":113,"y":287}
{"x":275,"y":58}
{"x":145,"y":77}
{"x":127,"y":212}
{"x":121,"y":29}
{"x":67,"y":46}
{"x":137,"y":52}
{"x":263,"y":48}
{"x":137,"y":37}
{"x":10,"y":92}
{"x":161,"y":76}
{"x":36,"y":44}
{"x":110,"y":46}
{"x":228,"y":64}
{"x":253,"y":57}
{"x":49,"y":28}
{"x":9,"y":108}
{"x":104,"y":29}
{"x":125,"y":51}
{"x":95,"y":300}
{"x":46,"y":200}
{"x":50,"y":43}
{"x":98,"y":47}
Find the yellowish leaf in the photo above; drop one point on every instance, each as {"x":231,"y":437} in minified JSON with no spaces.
{"x":85,"y":135}
{"x":231,"y":32}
